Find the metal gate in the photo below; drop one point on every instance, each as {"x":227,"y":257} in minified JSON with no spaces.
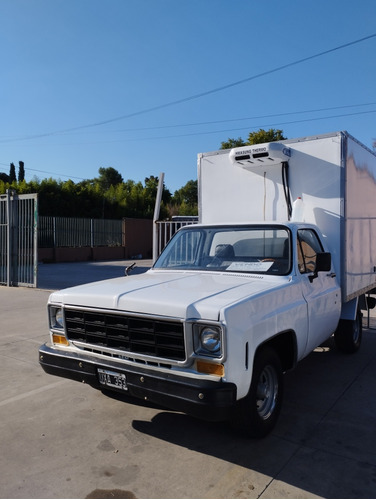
{"x":18,"y":239}
{"x":165,"y":230}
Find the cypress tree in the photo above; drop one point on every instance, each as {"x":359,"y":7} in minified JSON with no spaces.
{"x":12,"y":173}
{"x":21,"y":171}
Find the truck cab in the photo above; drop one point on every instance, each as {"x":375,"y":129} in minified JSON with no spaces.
{"x":190,"y":332}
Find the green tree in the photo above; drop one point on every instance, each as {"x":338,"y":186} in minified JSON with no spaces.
{"x":107,"y":196}
{"x":109,"y":177}
{"x":135,"y":199}
{"x":262,"y":135}
{"x":185,"y":200}
{"x":150,"y":195}
{"x":12,"y":173}
{"x":150,"y":192}
{"x":232,"y":143}
{"x":258,"y":137}
{"x":21,"y":171}
{"x":187,"y":194}
{"x":50,"y":198}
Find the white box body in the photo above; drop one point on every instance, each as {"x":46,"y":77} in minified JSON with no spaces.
{"x":335,"y":176}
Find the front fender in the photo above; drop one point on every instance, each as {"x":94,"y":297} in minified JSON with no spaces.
{"x":257,"y":320}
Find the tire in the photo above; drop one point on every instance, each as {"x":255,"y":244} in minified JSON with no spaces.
{"x":348,"y":335}
{"x":256,"y":415}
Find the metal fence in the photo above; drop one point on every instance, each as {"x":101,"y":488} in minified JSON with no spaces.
{"x":166,"y":229}
{"x":78,"y":232}
{"x":18,"y":239}
{"x":75,"y":232}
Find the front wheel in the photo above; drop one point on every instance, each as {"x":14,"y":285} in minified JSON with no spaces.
{"x":257,"y":414}
{"x":348,"y":335}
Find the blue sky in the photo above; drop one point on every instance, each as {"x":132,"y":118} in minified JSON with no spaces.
{"x":143,"y":86}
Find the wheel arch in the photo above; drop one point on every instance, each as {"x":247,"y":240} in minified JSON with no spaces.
{"x":285,"y":345}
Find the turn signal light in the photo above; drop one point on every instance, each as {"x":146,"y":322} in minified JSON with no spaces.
{"x":210,"y":368}
{"x":59,"y":339}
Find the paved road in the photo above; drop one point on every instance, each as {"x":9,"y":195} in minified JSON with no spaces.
{"x":62,"y":439}
{"x":62,"y":275}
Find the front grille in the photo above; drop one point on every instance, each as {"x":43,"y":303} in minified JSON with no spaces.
{"x":150,"y":337}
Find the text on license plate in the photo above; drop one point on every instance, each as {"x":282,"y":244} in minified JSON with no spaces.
{"x":112,"y":379}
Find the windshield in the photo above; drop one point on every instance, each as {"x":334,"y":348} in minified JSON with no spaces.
{"x":256,"y":249}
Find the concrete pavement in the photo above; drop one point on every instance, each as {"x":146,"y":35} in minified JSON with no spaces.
{"x":63,"y":275}
{"x":62,"y":439}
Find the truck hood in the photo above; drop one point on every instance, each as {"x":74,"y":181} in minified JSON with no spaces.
{"x":172,"y":294}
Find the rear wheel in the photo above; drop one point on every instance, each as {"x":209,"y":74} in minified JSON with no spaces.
{"x":257,"y":414}
{"x":348,"y":335}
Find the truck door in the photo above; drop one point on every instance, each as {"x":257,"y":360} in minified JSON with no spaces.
{"x":322,"y":293}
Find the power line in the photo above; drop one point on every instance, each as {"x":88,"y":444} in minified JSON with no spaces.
{"x":229,"y":85}
{"x":47,"y":172}
{"x":229,"y":130}
{"x":212,"y":122}
{"x":214,"y":132}
{"x":201,"y":94}
{"x":265,"y":125}
{"x":54,"y":173}
{"x":221,"y":131}
{"x":244,"y":118}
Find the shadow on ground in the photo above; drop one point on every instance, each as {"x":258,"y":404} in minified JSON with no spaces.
{"x":323,"y":444}
{"x":63,"y":275}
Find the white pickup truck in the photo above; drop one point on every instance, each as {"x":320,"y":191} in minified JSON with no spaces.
{"x":238,"y":299}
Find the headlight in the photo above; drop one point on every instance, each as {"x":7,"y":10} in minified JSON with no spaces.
{"x":208,"y":340}
{"x":56,"y":317}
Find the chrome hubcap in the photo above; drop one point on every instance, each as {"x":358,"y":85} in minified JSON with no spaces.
{"x":267,"y":392}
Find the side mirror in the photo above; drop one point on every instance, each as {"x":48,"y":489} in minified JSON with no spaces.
{"x":128,"y":269}
{"x":323,"y":263}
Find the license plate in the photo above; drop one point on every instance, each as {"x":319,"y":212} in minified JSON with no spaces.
{"x":109,"y":378}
